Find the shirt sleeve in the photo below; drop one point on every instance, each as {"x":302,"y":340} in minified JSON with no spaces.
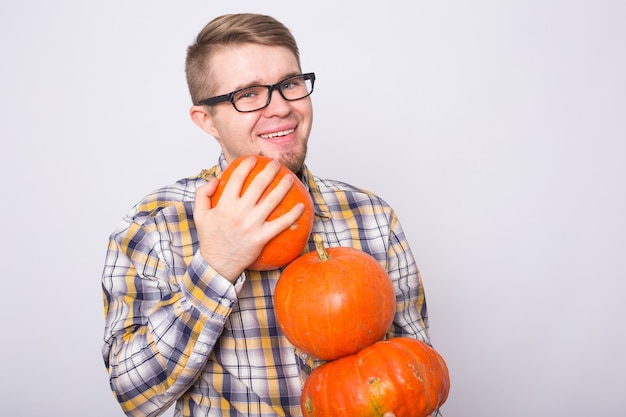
{"x":411,"y":318}
{"x":163,"y":316}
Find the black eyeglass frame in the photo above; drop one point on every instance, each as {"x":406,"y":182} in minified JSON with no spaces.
{"x":211,"y":101}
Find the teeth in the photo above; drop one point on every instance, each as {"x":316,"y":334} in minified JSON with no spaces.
{"x":276,"y":134}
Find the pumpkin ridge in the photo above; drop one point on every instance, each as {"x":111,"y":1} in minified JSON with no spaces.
{"x":375,"y":387}
{"x":434,"y":387}
{"x":414,"y":381}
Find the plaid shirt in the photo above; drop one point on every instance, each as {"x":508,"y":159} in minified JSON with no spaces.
{"x":175,"y":330}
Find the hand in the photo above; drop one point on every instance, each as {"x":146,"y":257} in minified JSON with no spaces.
{"x":389,"y":414}
{"x":233,"y":233}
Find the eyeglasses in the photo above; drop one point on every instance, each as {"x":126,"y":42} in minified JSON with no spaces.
{"x":257,"y":97}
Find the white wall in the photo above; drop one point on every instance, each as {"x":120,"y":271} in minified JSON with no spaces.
{"x":496,"y":129}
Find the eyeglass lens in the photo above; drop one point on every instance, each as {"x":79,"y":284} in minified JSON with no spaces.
{"x":254,"y":98}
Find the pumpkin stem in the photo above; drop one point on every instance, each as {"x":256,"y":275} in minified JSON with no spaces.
{"x":322,"y":255}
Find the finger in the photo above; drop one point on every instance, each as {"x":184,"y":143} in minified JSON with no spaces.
{"x":274,"y":197}
{"x":204,"y":194}
{"x":234,"y":186}
{"x":260,"y":182}
{"x":274,"y":227}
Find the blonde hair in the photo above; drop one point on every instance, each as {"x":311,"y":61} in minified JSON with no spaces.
{"x":228,"y":30}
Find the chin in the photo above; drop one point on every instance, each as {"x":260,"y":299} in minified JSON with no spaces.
{"x":294,"y":160}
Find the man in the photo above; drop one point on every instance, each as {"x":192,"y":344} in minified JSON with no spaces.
{"x":186,"y":322}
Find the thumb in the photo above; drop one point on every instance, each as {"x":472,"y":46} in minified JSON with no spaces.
{"x":204,"y":194}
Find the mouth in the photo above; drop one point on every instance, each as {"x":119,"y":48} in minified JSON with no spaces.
{"x":277,"y":134}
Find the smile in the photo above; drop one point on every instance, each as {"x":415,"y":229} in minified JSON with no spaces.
{"x":277,"y":134}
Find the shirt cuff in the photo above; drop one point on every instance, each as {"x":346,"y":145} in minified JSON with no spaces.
{"x":208,"y":291}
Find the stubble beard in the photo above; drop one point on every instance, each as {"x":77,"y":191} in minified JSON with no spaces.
{"x":294,"y":160}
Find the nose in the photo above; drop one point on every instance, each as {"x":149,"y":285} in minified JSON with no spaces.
{"x":278,"y":105}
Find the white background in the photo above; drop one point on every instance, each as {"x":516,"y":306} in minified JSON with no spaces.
{"x":497,"y":129}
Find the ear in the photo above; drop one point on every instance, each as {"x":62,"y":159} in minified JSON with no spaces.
{"x":203,"y":119}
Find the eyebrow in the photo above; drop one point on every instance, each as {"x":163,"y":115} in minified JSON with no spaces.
{"x":258,"y":82}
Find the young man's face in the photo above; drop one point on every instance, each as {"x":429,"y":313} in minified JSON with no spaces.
{"x":280,"y":130}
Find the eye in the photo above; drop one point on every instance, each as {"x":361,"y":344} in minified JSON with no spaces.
{"x":249,"y":94}
{"x":291,"y":83}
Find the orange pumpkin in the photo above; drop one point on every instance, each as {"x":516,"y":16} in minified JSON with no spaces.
{"x":333,"y":302}
{"x":400,"y":375}
{"x":290,"y":243}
